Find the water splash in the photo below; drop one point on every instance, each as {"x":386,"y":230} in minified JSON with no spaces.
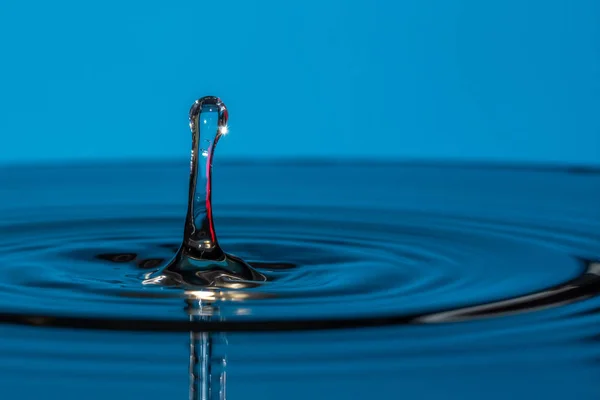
{"x":200,"y":261}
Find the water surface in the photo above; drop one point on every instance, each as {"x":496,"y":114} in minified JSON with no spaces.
{"x":384,"y":279}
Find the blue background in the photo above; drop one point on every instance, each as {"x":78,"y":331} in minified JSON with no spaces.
{"x":507,"y":80}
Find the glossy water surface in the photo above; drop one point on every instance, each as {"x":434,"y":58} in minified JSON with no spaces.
{"x":389,"y":280}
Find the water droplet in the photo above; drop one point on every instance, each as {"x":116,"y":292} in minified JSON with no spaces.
{"x":200,"y":261}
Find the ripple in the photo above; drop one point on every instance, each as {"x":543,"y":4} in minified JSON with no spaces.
{"x":327,"y":268}
{"x":417,"y":244}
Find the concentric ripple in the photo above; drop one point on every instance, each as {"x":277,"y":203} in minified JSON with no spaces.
{"x":405,"y":250}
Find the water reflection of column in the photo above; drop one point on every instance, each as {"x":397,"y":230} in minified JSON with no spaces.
{"x":207,"y":369}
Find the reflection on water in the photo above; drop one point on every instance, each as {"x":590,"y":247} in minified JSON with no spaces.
{"x":208,"y":367}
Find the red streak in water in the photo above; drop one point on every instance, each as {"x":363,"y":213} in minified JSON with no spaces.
{"x":208,"y":195}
